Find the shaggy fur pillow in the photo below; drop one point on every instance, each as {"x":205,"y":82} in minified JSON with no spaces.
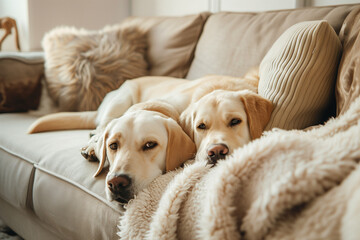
{"x":82,"y":66}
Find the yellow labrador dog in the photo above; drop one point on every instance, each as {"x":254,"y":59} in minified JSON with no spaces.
{"x":132,"y":128}
{"x":137,"y":156}
{"x":222,"y":121}
{"x":145,"y":142}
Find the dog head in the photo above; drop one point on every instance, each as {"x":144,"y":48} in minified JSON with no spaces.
{"x":139,"y":146}
{"x":222,"y":121}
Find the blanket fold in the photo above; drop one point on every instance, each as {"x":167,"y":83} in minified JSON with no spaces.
{"x":285,"y":185}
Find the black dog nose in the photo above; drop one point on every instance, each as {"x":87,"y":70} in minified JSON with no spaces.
{"x":216,"y":152}
{"x":119,"y":183}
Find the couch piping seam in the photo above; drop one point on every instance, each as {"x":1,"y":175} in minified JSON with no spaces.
{"x":96,"y":196}
{"x":17,"y":155}
{"x":36,"y":166}
{"x":29,"y":62}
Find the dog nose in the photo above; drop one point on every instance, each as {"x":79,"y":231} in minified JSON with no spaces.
{"x":119,"y":183}
{"x":216,"y":152}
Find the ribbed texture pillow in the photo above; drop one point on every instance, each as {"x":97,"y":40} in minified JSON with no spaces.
{"x":298,"y":75}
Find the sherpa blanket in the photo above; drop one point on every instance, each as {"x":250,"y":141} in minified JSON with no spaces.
{"x":285,"y":185}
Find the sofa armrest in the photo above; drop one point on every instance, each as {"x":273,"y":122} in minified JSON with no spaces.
{"x":20,"y":80}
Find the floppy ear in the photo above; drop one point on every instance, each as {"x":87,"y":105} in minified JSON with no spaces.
{"x":186,"y":121}
{"x":179,"y":148}
{"x":258,"y":111}
{"x":101,"y":145}
{"x":157,"y":106}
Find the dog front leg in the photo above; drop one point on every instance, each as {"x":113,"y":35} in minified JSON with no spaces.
{"x":91,"y":151}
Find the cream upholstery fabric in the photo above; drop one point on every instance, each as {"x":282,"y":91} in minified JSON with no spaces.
{"x":46,"y":175}
{"x":29,"y":226}
{"x":14,"y":190}
{"x":348,"y":82}
{"x":298,"y":75}
{"x":232,"y":43}
{"x":172,"y":42}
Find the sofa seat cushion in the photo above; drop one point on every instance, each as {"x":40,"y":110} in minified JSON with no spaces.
{"x":16,"y":176}
{"x":232,"y":43}
{"x":62,"y":184}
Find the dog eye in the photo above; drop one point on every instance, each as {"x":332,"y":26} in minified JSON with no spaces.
{"x":201,"y":126}
{"x":113,"y":146}
{"x":234,"y":122}
{"x":149,"y":145}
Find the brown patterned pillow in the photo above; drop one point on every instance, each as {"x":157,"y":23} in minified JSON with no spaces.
{"x":20,"y":81}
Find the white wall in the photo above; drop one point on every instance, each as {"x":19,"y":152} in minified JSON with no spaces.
{"x":183,"y":7}
{"x":36,"y":17}
{"x":90,"y":14}
{"x":258,"y":5}
{"x":16,"y":9}
{"x":329,"y":2}
{"x":167,"y":7}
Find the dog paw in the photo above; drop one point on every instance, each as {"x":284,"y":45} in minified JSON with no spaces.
{"x":89,"y":154}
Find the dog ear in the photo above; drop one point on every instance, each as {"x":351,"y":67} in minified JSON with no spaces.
{"x":258,"y":111}
{"x":179,"y":148}
{"x":157,"y":106}
{"x":101,"y":145}
{"x":186,"y":121}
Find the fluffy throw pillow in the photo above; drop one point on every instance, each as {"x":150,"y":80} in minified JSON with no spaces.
{"x":298,"y":75}
{"x":82,"y":66}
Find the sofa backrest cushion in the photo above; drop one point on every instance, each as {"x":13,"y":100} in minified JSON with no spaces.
{"x":298,"y":75}
{"x":232,"y":43}
{"x":171,"y":42}
{"x":348,"y":82}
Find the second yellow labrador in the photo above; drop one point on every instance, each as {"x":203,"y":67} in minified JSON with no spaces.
{"x":222,"y":121}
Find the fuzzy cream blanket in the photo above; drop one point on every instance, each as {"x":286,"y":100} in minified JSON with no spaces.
{"x":285,"y":185}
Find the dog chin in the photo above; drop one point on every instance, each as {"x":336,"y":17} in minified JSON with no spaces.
{"x":122,"y":200}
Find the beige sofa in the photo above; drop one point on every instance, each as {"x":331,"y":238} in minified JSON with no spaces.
{"x":46,"y":187}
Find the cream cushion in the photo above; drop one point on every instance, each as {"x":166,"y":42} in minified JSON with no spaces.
{"x":45,"y":175}
{"x":298,"y":75}
{"x":232,"y":43}
{"x":171,"y":42}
